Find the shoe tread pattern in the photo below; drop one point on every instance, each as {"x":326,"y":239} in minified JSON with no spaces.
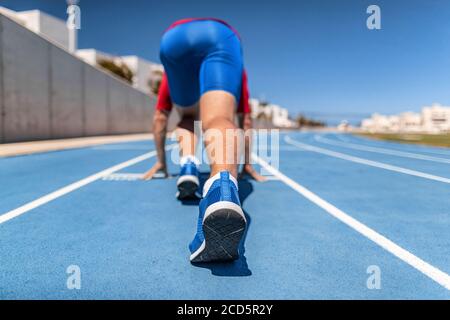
{"x":187,"y":190}
{"x":223,"y":230}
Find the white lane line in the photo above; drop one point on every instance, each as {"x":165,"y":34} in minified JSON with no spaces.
{"x":74,"y":186}
{"x":424,"y":148}
{"x":427,"y":269}
{"x":271,"y":178}
{"x":380,"y":150}
{"x":258,"y":149}
{"x":341,"y":137}
{"x":130,"y":176}
{"x":123,"y":177}
{"x":367,"y":162}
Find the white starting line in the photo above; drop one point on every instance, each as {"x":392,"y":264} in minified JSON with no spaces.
{"x":74,"y":186}
{"x":130,"y":176}
{"x":123,"y":177}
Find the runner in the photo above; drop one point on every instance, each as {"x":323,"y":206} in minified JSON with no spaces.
{"x":205,"y":79}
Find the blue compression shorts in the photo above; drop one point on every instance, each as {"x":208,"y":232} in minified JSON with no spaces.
{"x":200,"y":56}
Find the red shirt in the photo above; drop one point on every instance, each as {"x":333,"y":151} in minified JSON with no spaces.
{"x":165,"y":102}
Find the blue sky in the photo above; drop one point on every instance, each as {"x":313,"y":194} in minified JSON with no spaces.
{"x":310,"y":56}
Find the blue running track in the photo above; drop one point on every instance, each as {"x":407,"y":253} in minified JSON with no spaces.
{"x":130,"y":237}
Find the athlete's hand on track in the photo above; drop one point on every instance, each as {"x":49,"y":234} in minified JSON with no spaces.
{"x":157,"y":167}
{"x":248,"y":169}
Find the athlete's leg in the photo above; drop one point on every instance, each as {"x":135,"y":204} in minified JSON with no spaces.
{"x":188,"y":180}
{"x":217,"y":110}
{"x":221,"y":220}
{"x":186,"y":137}
{"x":187,"y":140}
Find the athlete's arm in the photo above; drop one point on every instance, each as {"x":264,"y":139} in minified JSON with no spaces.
{"x":160,"y":120}
{"x":245,"y":123}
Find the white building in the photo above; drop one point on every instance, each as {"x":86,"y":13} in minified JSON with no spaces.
{"x":278,"y":117}
{"x":410,"y":122}
{"x":259,"y":110}
{"x":143,"y":70}
{"x":434,"y":119}
{"x":380,"y":123}
{"x":47,"y":26}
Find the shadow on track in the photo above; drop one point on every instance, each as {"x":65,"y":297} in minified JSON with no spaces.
{"x":237,"y":268}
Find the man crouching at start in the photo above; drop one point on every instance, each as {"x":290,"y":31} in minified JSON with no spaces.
{"x":205,"y":80}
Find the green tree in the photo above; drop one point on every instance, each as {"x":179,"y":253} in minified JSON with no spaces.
{"x":154,"y":82}
{"x":119,"y":69}
{"x":303,"y":121}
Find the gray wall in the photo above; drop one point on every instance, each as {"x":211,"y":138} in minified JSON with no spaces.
{"x":26,"y":87}
{"x":46,"y":93}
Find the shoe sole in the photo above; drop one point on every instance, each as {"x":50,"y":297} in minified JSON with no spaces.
{"x":223,"y":228}
{"x":187,"y":187}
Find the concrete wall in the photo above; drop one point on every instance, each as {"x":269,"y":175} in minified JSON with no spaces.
{"x":47,"y":93}
{"x":25,"y":75}
{"x":66,"y":105}
{"x":96,"y":105}
{"x":118,"y":105}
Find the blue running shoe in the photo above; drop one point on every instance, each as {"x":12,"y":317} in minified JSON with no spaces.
{"x":221,"y":222}
{"x":188,"y":181}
